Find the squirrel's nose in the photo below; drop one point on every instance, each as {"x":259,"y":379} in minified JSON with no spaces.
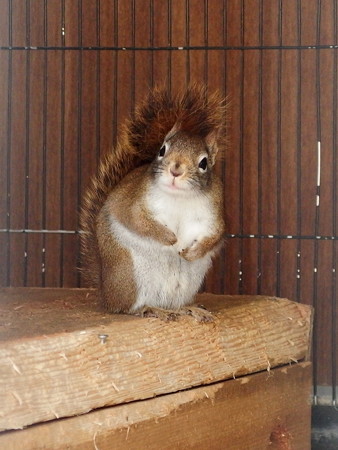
{"x":176,"y":170}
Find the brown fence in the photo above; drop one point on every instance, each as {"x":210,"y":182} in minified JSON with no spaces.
{"x":72,"y":70}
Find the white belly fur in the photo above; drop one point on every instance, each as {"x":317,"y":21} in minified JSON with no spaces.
{"x":163,"y":278}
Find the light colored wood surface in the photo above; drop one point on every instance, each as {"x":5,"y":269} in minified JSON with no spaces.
{"x":53,"y":363}
{"x":256,"y":412}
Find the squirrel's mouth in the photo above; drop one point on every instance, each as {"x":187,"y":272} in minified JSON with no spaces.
{"x":173,"y":184}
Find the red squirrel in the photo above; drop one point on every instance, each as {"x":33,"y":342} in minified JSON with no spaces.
{"x":152,"y":217}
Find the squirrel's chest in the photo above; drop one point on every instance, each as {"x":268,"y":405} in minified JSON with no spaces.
{"x":188,"y":217}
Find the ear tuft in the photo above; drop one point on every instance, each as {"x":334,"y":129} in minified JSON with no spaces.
{"x":211,"y":141}
{"x":174,"y":130}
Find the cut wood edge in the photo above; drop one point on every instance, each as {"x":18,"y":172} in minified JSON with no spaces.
{"x":225,"y":412}
{"x":42,"y":376}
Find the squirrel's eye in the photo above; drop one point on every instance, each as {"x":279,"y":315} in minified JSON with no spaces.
{"x":162,"y":151}
{"x":203,"y":164}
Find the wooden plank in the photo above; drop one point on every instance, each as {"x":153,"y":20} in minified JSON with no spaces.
{"x":220,"y":416}
{"x":269,"y":141}
{"x":54,"y":176}
{"x":35,"y":148}
{"x":249,"y":160}
{"x":17,"y":23}
{"x":5,"y":64}
{"x":4,"y":27}
{"x":179,"y":37}
{"x":287,"y":143}
{"x":53,"y":363}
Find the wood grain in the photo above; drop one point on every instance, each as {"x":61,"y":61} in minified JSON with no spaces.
{"x":260,"y":411}
{"x":53,"y":363}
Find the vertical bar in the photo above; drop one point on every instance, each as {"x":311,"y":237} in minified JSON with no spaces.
{"x":180,"y":60}
{"x":334,"y":215}
{"x":279,"y":150}
{"x":187,"y":39}
{"x":299,"y":165}
{"x":316,"y":230}
{"x":9,"y":142}
{"x":27,"y":149}
{"x":170,"y":43}
{"x":160,"y":36}
{"x":4,"y":58}
{"x":53,"y":142}
{"x":98,"y":79}
{"x":151,"y":18}
{"x":62,"y":141}
{"x":44,"y":157}
{"x":144,"y":60}
{"x":260,"y":133}
{"x":133,"y":61}
{"x":125,"y":93}
{"x":241,"y":163}
{"x":206,"y":35}
{"x":115,"y":87}
{"x":79,"y":94}
{"x":223,"y":165}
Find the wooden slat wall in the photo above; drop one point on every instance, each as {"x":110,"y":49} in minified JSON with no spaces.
{"x":72,"y":70}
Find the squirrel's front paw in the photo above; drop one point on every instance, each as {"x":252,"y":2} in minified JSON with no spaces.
{"x":169,"y":238}
{"x":192,"y":253}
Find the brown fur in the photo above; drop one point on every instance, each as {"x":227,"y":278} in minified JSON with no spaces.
{"x":126,"y":203}
{"x":140,"y":139}
{"x":116,"y":284}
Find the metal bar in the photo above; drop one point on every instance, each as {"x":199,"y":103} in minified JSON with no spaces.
{"x":115,"y":86}
{"x":79,"y":124}
{"x":27,"y":138}
{"x":260,"y":149}
{"x":206,"y":39}
{"x":43,"y":231}
{"x":62,"y":130}
{"x":317,"y":211}
{"x":281,"y":236}
{"x":44,"y":151}
{"x":173,"y":48}
{"x":98,"y":81}
{"x":279,"y":151}
{"x":334,"y":217}
{"x":241,"y":156}
{"x":227,"y":236}
{"x":299,"y":153}
{"x":9,"y":143}
{"x":170,"y":37}
{"x":151,"y":40}
{"x":187,"y":39}
{"x":133,"y":59}
{"x":223,"y":165}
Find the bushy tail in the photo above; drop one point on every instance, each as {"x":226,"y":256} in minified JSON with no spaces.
{"x":138,"y":143}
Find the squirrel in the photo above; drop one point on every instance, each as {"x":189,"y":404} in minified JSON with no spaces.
{"x":152,"y":218}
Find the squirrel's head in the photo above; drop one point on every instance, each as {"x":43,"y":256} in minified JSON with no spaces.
{"x":184,"y":162}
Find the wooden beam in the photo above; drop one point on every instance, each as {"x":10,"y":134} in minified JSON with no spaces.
{"x":54,"y":364}
{"x":259,"y":411}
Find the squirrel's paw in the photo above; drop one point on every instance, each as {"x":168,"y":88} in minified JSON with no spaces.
{"x":166,"y":315}
{"x":195,"y":251}
{"x":169,"y":238}
{"x":199,"y":313}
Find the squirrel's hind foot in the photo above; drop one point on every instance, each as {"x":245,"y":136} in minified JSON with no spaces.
{"x":200,"y":314}
{"x":167,"y":315}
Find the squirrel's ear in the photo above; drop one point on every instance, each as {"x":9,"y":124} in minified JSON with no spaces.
{"x":173,"y":131}
{"x":211,"y":141}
